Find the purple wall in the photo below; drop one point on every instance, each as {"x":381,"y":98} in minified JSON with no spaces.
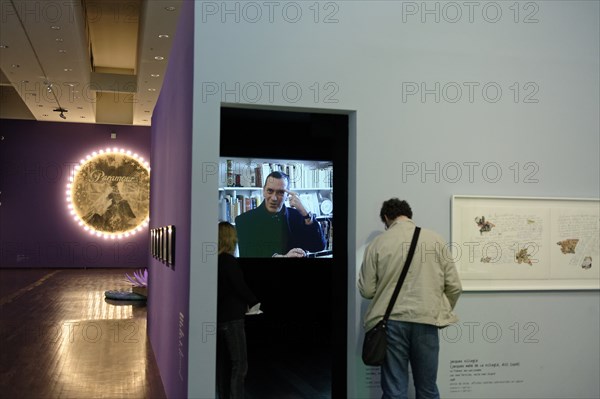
{"x":170,"y":204}
{"x":36,"y":230}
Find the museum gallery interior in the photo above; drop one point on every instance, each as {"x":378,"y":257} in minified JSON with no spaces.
{"x":129,"y":130}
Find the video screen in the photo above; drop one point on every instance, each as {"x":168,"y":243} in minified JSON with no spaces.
{"x":281,"y":208}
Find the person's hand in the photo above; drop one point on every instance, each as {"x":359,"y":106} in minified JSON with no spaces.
{"x":295,"y":253}
{"x":295,"y":202}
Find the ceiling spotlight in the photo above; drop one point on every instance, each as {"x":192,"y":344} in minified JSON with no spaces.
{"x":62,"y":112}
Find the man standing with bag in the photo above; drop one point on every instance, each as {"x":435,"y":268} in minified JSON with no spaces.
{"x":424,"y":304}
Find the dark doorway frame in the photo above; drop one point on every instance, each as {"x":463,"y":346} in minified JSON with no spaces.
{"x":317,"y":286}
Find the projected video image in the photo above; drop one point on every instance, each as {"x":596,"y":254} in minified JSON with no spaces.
{"x":281,"y":208}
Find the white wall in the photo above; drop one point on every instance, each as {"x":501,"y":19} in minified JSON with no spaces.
{"x":367,"y":57}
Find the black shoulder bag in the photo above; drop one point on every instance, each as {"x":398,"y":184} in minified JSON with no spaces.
{"x":375,"y":343}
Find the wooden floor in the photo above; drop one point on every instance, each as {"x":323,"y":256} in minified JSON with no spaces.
{"x":60,"y":338}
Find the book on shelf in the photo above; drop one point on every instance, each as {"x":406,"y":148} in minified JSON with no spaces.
{"x":300,"y":175}
{"x":230,"y":182}
{"x":257,"y":177}
{"x":233,"y":205}
{"x":224,"y":209}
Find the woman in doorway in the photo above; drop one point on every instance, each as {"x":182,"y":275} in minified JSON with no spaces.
{"x":234,"y":300}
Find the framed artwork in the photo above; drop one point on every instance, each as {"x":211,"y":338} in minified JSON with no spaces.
{"x":170,"y":258}
{"x":153,"y":242}
{"x":162,"y":244}
{"x":161,"y":247}
{"x":526,"y":243}
{"x":157,"y":243}
{"x":109,"y":193}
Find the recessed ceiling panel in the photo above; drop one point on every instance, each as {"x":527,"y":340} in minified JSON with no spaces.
{"x":113,"y":29}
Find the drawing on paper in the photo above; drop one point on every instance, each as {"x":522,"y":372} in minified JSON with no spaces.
{"x":587,"y":263}
{"x":568,"y":246}
{"x":526,"y":243}
{"x":485,"y":226}
{"x":524,"y":257}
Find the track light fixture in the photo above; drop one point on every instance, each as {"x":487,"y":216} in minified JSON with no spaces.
{"x":62,"y":112}
{"x":49,"y":87}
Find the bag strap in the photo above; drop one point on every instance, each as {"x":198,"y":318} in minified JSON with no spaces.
{"x":411,"y":252}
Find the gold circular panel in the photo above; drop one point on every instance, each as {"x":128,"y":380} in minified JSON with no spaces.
{"x":108,"y":193}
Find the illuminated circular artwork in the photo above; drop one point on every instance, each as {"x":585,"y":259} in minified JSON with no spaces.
{"x":108,"y":193}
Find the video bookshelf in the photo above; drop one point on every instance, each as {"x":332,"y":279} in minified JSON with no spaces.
{"x":241,"y":182}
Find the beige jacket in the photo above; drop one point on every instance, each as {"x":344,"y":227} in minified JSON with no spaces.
{"x":432,"y":285}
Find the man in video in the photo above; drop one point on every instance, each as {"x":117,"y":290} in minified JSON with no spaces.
{"x":276,"y":230}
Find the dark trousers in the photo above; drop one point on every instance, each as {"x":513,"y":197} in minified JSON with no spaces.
{"x":232,"y":359}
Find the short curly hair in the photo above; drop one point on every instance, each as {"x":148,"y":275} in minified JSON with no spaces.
{"x":393,"y":208}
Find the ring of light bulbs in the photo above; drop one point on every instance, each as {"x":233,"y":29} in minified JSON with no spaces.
{"x":69,"y":195}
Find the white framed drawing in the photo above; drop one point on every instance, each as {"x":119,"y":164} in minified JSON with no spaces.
{"x":526,"y":243}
